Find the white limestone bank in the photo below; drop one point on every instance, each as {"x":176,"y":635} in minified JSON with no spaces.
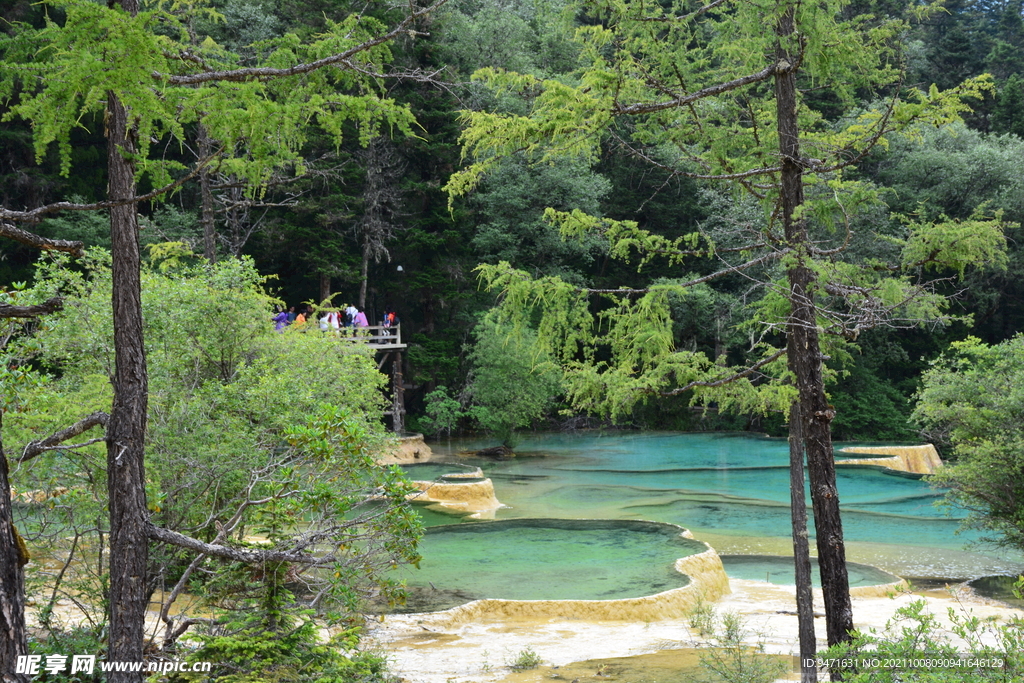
{"x":423,"y":651}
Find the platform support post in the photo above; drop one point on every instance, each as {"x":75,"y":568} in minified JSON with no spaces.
{"x":397,"y":395}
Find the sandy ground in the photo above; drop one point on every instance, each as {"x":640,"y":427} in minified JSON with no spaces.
{"x":423,"y":651}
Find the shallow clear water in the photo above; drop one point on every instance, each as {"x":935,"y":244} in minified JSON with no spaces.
{"x":429,"y":471}
{"x":539,"y":559}
{"x":779,"y":570}
{"x":730,"y":487}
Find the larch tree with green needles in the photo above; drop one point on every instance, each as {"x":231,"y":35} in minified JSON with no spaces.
{"x":717,"y":91}
{"x":153,"y":82}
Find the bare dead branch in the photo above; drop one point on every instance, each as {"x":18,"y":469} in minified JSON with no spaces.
{"x":75,"y":248}
{"x":247,"y":555}
{"x":739,"y":175}
{"x":32,"y":240}
{"x":49,"y":306}
{"x":34,"y":448}
{"x":770,"y":256}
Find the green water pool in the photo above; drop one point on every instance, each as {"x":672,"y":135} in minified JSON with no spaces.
{"x":546,"y":559}
{"x":733,"y":487}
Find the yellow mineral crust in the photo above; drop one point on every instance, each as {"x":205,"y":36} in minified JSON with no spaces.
{"x":473,"y":496}
{"x":409,"y":449}
{"x":915,"y":459}
{"x":882,"y":590}
{"x":708,"y":582}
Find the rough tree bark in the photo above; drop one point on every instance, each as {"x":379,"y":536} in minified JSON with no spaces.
{"x":381,"y":199}
{"x":13,"y":553}
{"x":13,"y":637}
{"x":325,"y":287}
{"x":126,"y":428}
{"x":801,"y":551}
{"x":804,"y":352}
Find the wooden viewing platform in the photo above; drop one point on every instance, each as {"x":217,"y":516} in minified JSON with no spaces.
{"x":387,"y":341}
{"x":376,"y":337}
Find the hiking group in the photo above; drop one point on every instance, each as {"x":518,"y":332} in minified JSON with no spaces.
{"x":335,"y":320}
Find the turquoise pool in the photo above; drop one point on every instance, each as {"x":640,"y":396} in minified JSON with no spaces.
{"x":731,"y":490}
{"x":546,"y":559}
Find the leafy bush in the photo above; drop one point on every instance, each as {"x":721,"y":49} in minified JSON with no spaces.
{"x":972,"y":398}
{"x":702,"y":618}
{"x":443,"y":413}
{"x":525,"y":660}
{"x":915,"y":635}
{"x":512,"y":383}
{"x":251,"y":433}
{"x":730,"y":660}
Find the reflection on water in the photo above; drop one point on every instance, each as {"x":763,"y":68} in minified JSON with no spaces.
{"x":538,"y":559}
{"x":1002,"y":588}
{"x":429,"y":471}
{"x":779,"y":570}
{"x":730,"y":487}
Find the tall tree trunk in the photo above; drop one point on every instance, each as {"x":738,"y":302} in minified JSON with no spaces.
{"x":13,"y":637}
{"x":364,"y":274}
{"x":801,"y":551}
{"x":205,"y":182}
{"x":325,"y":287}
{"x":127,"y":425}
{"x":804,"y":353}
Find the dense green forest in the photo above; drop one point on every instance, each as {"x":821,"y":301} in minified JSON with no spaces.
{"x":384,"y":203}
{"x":583,"y":213}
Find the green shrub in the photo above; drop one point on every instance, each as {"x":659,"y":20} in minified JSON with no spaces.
{"x":916,"y":637}
{"x":525,"y":660}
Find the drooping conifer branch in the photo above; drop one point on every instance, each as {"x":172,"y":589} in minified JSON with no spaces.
{"x":687,"y":17}
{"x":728,"y":379}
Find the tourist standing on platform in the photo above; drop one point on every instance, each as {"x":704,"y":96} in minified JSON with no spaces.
{"x":360,"y":319}
{"x":280,"y":320}
{"x":390,"y":320}
{"x":331,"y":322}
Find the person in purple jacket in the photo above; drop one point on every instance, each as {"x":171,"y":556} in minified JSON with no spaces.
{"x":360,"y":319}
{"x":280,"y":320}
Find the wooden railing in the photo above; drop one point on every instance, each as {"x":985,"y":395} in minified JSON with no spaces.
{"x":375,"y":335}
